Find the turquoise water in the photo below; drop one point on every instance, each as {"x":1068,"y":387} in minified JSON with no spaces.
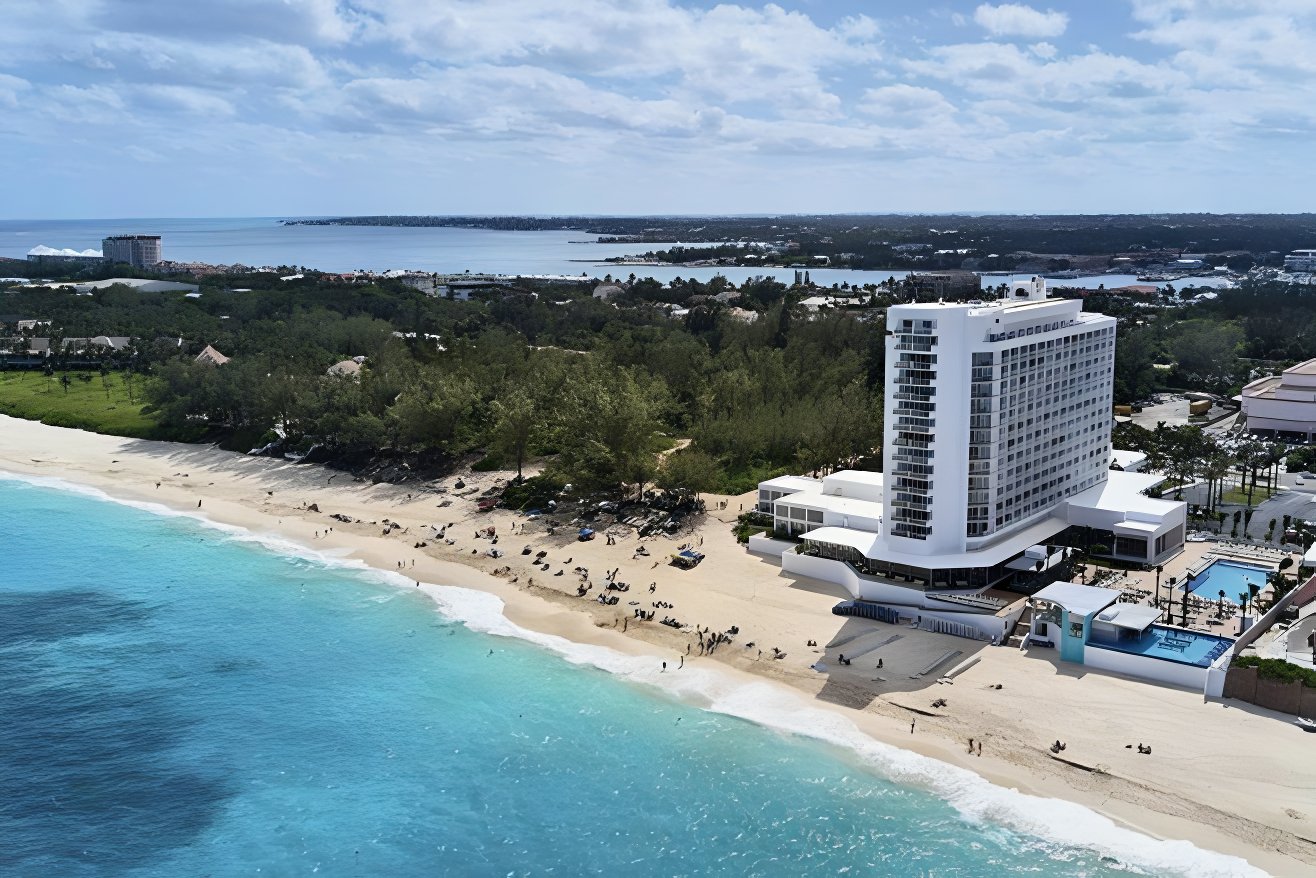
{"x":1228,"y":575}
{"x":179,"y":700}
{"x":1172,"y":644}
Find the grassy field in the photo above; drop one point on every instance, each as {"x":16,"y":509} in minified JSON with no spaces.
{"x":1239,"y":495}
{"x":101,"y":406}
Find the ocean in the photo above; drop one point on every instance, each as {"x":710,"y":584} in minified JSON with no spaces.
{"x":179,"y":698}
{"x":264,"y":241}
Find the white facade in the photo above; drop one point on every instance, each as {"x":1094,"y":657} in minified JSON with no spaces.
{"x":847,"y":499}
{"x":1283,"y":404}
{"x":995,"y":413}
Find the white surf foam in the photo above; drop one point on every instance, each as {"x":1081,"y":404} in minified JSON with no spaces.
{"x":774,"y":707}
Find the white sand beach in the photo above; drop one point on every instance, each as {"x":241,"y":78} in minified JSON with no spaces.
{"x":1228,"y":777}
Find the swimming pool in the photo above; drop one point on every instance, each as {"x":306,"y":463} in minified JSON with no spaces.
{"x":1229,"y":576}
{"x":1170,"y":644}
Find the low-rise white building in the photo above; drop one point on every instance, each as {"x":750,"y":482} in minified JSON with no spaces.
{"x":1283,"y":406}
{"x":1301,"y":261}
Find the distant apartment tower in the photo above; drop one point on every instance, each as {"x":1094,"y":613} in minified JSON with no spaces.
{"x":951,"y":284}
{"x":139,"y":251}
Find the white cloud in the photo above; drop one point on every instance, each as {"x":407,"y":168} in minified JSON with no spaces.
{"x":10,"y":88}
{"x":1016,"y":19}
{"x":556,"y":94}
{"x":908,"y":103}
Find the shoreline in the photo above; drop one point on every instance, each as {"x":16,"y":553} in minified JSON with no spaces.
{"x":263,"y":496}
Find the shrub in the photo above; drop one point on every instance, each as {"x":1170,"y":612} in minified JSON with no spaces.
{"x":751,"y":523}
{"x":1277,"y":670}
{"x":488,"y":463}
{"x":534,"y":492}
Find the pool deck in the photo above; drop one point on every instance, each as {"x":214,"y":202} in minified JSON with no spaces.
{"x":1204,"y":614}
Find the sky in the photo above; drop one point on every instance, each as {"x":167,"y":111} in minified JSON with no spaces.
{"x":155,"y":108}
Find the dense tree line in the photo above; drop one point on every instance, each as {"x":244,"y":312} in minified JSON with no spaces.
{"x":600,"y":391}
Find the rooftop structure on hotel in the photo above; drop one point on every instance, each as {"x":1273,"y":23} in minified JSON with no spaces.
{"x":1283,"y":406}
{"x":997,"y":442}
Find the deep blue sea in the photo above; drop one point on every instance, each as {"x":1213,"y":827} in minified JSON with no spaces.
{"x":264,"y":241}
{"x":178,"y":699}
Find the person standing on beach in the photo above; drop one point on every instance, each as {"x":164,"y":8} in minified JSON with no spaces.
{"x":911,"y":726}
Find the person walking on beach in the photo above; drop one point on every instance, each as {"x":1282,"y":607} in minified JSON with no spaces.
{"x":980,"y":748}
{"x":911,"y":726}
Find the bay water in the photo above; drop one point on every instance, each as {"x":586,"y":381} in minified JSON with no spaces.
{"x":180,"y":698}
{"x":261,"y":241}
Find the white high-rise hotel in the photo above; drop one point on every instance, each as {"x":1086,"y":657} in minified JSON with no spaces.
{"x":997,"y":440}
{"x":994,"y":414}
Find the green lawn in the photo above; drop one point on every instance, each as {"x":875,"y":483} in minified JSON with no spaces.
{"x":84,"y":406}
{"x":1238,"y":495}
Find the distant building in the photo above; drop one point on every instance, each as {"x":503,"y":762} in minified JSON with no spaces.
{"x":1283,"y":406}
{"x":431,"y":285}
{"x":946,"y":284}
{"x":142,"y":285}
{"x":1301,"y":261}
{"x":346,"y":368}
{"x":139,"y":251}
{"x":211,"y":357}
{"x":43,"y":255}
{"x":608,"y":292}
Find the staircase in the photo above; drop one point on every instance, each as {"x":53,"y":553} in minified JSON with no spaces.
{"x":1021,"y":628}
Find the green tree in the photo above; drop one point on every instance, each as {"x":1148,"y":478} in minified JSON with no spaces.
{"x":688,"y":470}
{"x":518,"y":422}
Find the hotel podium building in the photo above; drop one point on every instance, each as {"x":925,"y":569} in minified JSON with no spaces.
{"x":996,"y":442}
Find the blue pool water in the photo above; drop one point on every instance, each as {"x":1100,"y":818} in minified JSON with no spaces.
{"x":1231,"y":576}
{"x":179,"y":700}
{"x":1172,"y":644}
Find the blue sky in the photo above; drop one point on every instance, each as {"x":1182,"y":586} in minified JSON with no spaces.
{"x":307,"y":107}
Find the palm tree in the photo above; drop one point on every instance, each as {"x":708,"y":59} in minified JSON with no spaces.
{"x":1252,"y":456}
{"x":1187,"y":590}
{"x":1215,"y":469}
{"x":1159,"y":568}
{"x":1220,"y":610}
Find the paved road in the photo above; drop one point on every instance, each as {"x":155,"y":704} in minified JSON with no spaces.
{"x":1300,"y":502}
